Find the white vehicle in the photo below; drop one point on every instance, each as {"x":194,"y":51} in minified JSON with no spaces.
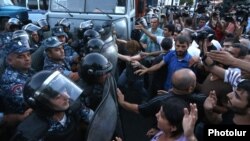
{"x":121,"y":12}
{"x":37,"y":9}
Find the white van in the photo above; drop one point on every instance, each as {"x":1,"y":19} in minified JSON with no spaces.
{"x":121,"y":12}
{"x":37,"y":9}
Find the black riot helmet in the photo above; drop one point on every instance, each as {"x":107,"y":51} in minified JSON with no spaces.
{"x":85,"y":25}
{"x":94,"y":65}
{"x":44,"y":87}
{"x":108,"y":28}
{"x":90,"y":34}
{"x":94,"y":45}
{"x":21,"y":35}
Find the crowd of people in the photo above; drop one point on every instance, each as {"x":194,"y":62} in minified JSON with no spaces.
{"x":54,"y":85}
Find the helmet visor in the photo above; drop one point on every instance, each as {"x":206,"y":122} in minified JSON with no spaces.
{"x":57,"y":85}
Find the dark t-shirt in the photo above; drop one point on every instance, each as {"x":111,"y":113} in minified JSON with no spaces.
{"x":153,"y":106}
{"x":227,"y":118}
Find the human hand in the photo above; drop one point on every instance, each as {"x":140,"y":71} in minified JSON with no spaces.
{"x":223,"y":57}
{"x":120,"y":96}
{"x":151,"y":132}
{"x":189,"y":120}
{"x":210,"y":101}
{"x":117,"y":139}
{"x":139,"y":27}
{"x":135,"y":64}
{"x":144,"y":54}
{"x":141,"y":71}
{"x":28,"y":112}
{"x":74,"y":76}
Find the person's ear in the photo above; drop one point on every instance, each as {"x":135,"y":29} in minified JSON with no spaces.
{"x":191,"y":88}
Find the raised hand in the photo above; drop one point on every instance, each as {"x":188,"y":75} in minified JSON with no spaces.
{"x":189,"y":120}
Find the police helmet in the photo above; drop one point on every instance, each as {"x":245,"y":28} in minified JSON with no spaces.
{"x":21,"y":35}
{"x":51,"y":42}
{"x":90,"y":34}
{"x":94,"y":45}
{"x":85,"y":25}
{"x":14,"y":24}
{"x":42,"y":22}
{"x":58,"y":31}
{"x":94,"y":65}
{"x":31,"y":28}
{"x":64,"y":22}
{"x":108,"y":29}
{"x":44,"y":86}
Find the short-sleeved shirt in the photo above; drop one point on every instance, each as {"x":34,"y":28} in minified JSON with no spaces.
{"x":233,"y":77}
{"x":151,"y":45}
{"x":174,"y":64}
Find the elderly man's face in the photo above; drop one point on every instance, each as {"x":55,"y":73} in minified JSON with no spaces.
{"x":154,"y":23}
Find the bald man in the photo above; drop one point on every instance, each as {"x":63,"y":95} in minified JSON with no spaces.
{"x":184,"y":82}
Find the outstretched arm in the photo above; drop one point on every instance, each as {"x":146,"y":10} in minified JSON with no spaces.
{"x":126,"y":105}
{"x":226,"y":58}
{"x":151,"y":69}
{"x":150,"y":35}
{"x":129,"y":58}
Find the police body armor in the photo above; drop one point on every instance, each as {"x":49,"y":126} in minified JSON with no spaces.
{"x":35,"y":127}
{"x":93,"y":94}
{"x":104,"y":121}
{"x":110,"y":51}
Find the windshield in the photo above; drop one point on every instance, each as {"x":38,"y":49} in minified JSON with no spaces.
{"x":89,"y":6}
{"x":5,"y":2}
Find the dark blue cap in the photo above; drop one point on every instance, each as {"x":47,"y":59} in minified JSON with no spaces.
{"x":17,"y":47}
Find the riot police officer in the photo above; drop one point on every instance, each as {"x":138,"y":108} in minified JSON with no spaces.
{"x":94,"y":70}
{"x":21,"y":35}
{"x":100,"y":94}
{"x":94,"y":45}
{"x":84,"y":26}
{"x":13,"y":24}
{"x":58,"y":112}
{"x":15,"y":75}
{"x":85,"y":33}
{"x":55,"y":58}
{"x":45,"y":32}
{"x":33,"y":31}
{"x":65,"y":23}
{"x":110,"y":49}
{"x":5,"y":39}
